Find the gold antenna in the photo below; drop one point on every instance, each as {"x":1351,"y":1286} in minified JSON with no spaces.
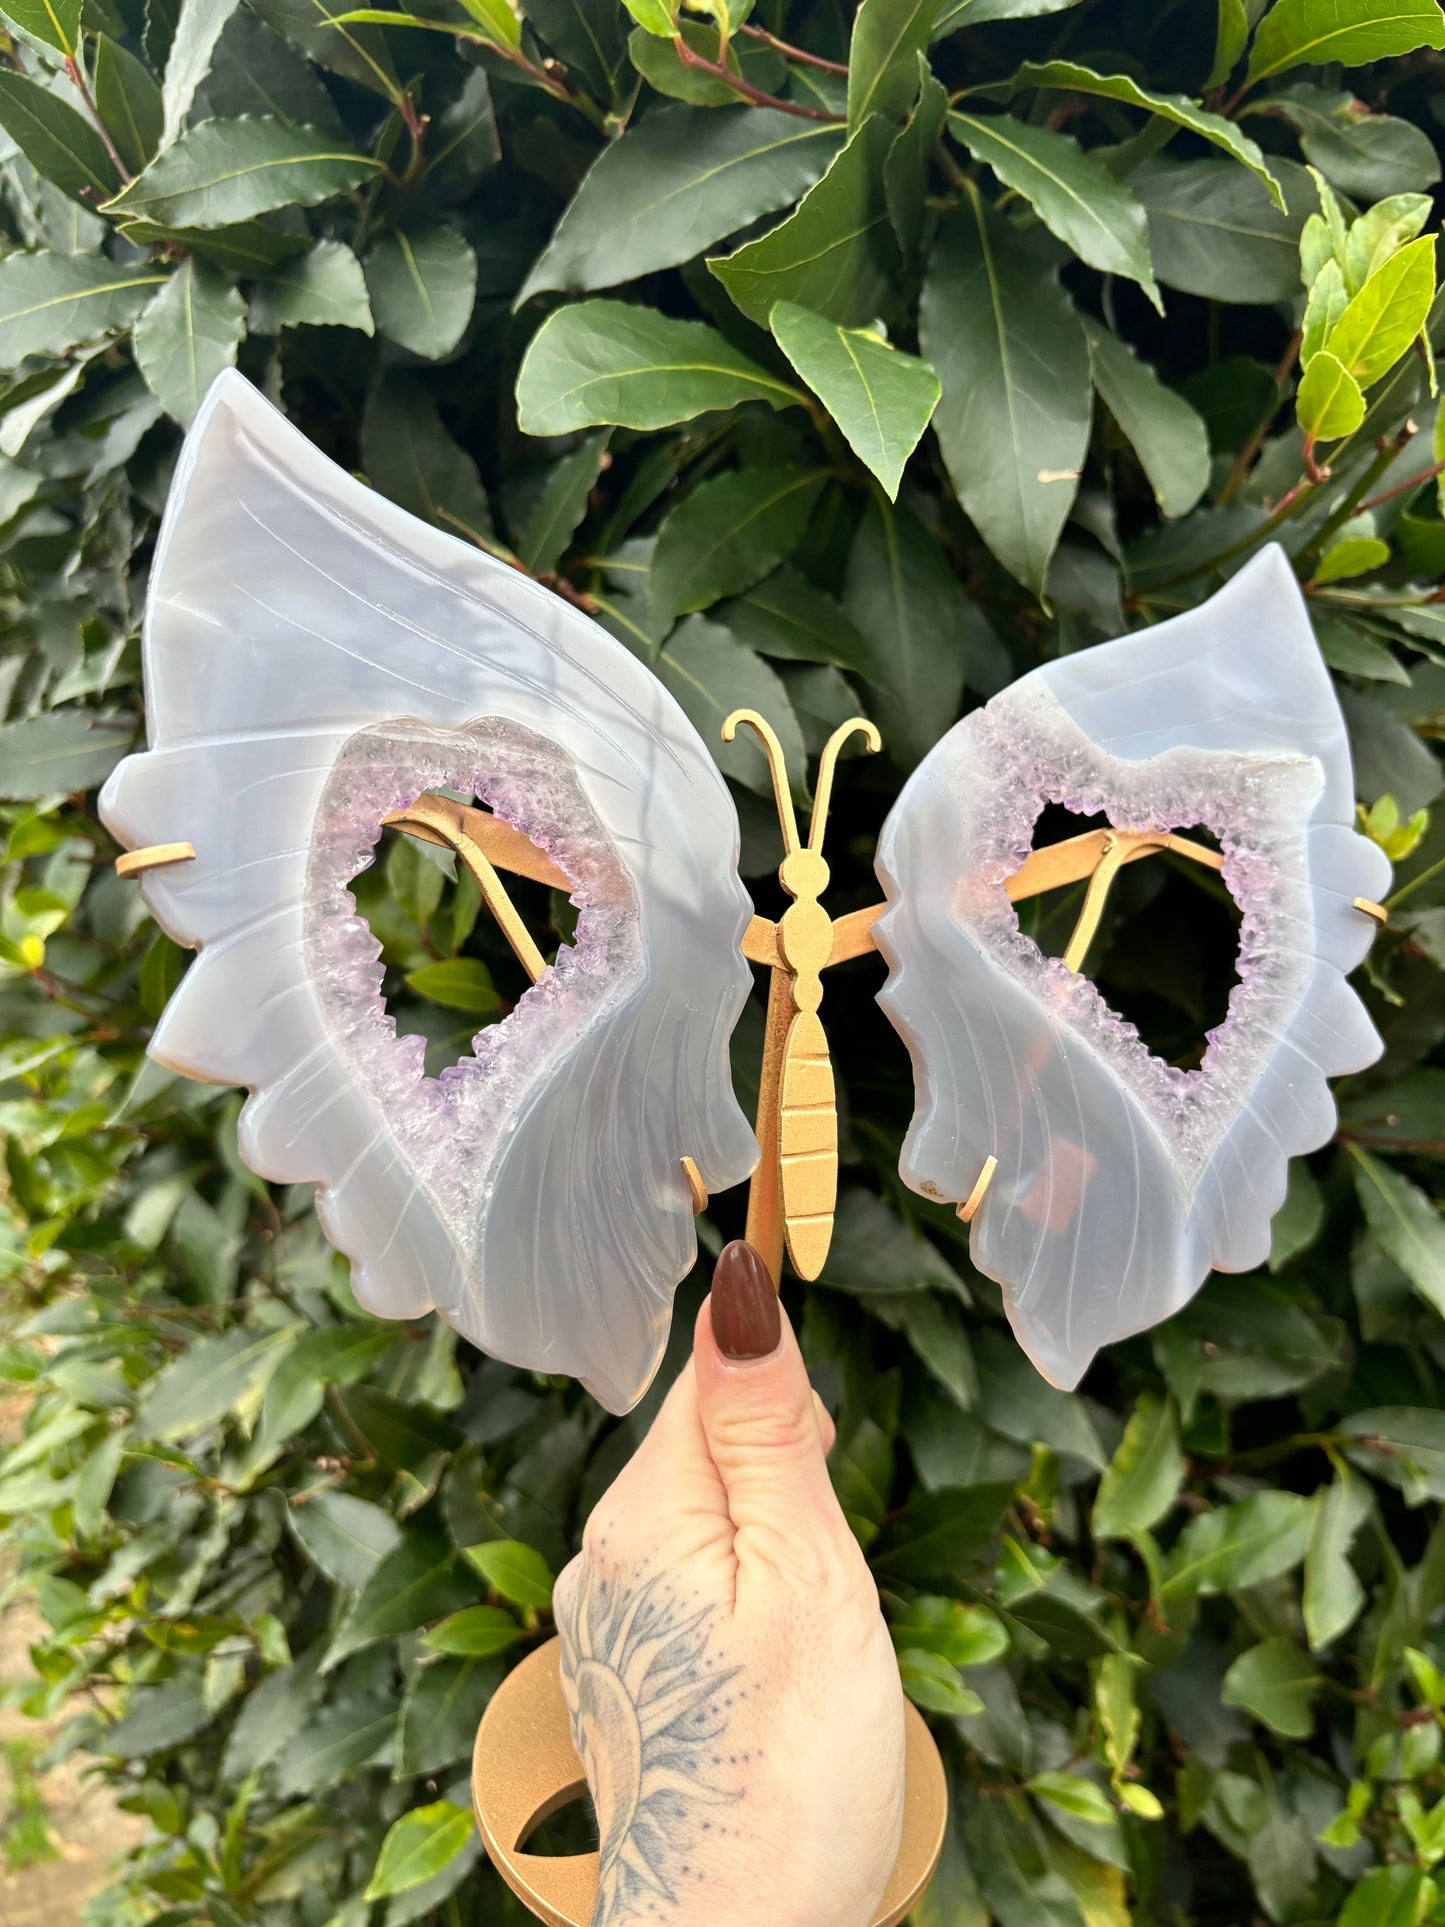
{"x":777,"y":769}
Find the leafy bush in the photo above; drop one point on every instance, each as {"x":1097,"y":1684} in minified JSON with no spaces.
{"x":658,"y":309}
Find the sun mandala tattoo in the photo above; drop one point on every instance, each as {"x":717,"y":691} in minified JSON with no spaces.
{"x":650,"y":1704}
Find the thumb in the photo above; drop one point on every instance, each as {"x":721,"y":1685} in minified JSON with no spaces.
{"x":757,"y":1407}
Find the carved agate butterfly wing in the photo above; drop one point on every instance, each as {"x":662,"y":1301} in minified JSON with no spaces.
{"x":315,"y":659}
{"x":1121,"y":1180}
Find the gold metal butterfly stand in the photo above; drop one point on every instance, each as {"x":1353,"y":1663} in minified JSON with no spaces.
{"x":525,"y":1766}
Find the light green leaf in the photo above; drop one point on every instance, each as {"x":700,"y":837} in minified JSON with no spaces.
{"x":1328,"y":299}
{"x":726,"y":535}
{"x":678,"y":182}
{"x":608,"y":362}
{"x":1377,"y":234}
{"x":1167,"y":435}
{"x":1213,"y":230}
{"x":476,"y":1632}
{"x":56,"y":754}
{"x":345,"y":1536}
{"x":963,"y":1635}
{"x":1352,"y":555}
{"x":519,"y":1573}
{"x":1387,"y":1897}
{"x":1073,"y":194}
{"x":56,"y":23}
{"x":198,"y":28}
{"x":1142,"y":1480}
{"x":57,"y":140}
{"x":233,"y":170}
{"x":418,"y":1846}
{"x":880,"y":398}
{"x":419,"y":1581}
{"x":322,"y":288}
{"x":1240,"y":1545}
{"x":207,"y":1383}
{"x":1333,"y":1596}
{"x":1315,"y":33}
{"x":1276,"y":1682}
{"x":1073,"y":1794}
{"x":1406,"y":1222}
{"x":1178,"y":109}
{"x":888,"y":36}
{"x":457,"y":983}
{"x":905,"y":600}
{"x":933,"y":1682}
{"x":411,"y":458}
{"x":1328,"y":403}
{"x":709,"y":675}
{"x":188,"y":335}
{"x":128,"y":102}
{"x":496,"y":19}
{"x":423,"y":286}
{"x":1013,"y":423}
{"x":653,"y":16}
{"x":1386,"y":315}
{"x":974,"y":13}
{"x":835,"y":253}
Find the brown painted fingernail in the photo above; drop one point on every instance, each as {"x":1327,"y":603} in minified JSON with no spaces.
{"x":746,"y":1321}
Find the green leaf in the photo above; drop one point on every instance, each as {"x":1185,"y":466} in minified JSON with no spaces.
{"x":1380,"y":232}
{"x":457,"y":983}
{"x":1240,"y":1545}
{"x":412,"y":459}
{"x":607,"y":362}
{"x":54,"y":22}
{"x":1301,"y":1218}
{"x":881,"y":399}
{"x":661,"y":67}
{"x":419,"y":1581}
{"x":188,"y":335}
{"x":1402,"y":1444}
{"x":1386,"y":1897}
{"x":60,"y":753}
{"x":336,"y":1355}
{"x":963,"y":1635}
{"x":589,"y":37}
{"x":345,"y":1536}
{"x":1364,"y":154}
{"x":128,"y":102}
{"x":1406,"y":1222}
{"x":835,"y":253}
{"x":900,"y":593}
{"x":709,"y":675}
{"x":1214,"y":231}
{"x":1166,"y":433}
{"x":360,"y":53}
{"x":198,"y":28}
{"x":726,"y":535}
{"x":1013,"y":423}
{"x":974,"y":13}
{"x":562,"y":504}
{"x":443,"y":1708}
{"x":1352,"y":555}
{"x":477,"y":1632}
{"x":520,"y":1574}
{"x":1143,"y":1478}
{"x":1328,"y":403}
{"x":906,"y":170}
{"x":1315,"y":33}
{"x":322,"y":288}
{"x":156,"y":1719}
{"x":1073,"y":194}
{"x":786,"y":617}
{"x":333,"y":1744}
{"x":401,"y":1434}
{"x":496,"y":18}
{"x":418,"y":1846}
{"x":678,"y":182}
{"x":1333,"y":1596}
{"x":57,"y":140}
{"x":254,"y":71}
{"x":933,"y":1682}
{"x":653,"y":16}
{"x":212,"y":1379}
{"x":1178,"y":109}
{"x":888,"y":36}
{"x":943,"y":1532}
{"x":1075,"y":1795}
{"x":1277,"y":1683}
{"x":423,"y":286}
{"x":1231,"y":37}
{"x":875,"y":1252}
{"x":233,"y":170}
{"x":1386,"y":315}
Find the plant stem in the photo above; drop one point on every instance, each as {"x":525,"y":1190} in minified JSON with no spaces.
{"x":791,"y":52}
{"x":81,"y":85}
{"x":1349,"y":506}
{"x":745,"y":88}
{"x":1409,"y":889}
{"x":1404,"y":488}
{"x":1303,"y":489}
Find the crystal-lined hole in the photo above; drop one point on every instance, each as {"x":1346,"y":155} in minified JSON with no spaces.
{"x":1165,"y":956}
{"x":450,"y":972}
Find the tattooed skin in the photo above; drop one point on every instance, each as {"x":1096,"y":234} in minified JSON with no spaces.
{"x":650,"y":1702}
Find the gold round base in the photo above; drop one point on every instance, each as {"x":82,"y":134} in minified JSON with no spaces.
{"x":524,"y":1767}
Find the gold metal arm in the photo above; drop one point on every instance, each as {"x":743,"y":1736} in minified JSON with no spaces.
{"x":442,"y":821}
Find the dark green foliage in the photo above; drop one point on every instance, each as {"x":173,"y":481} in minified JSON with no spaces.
{"x":1180,"y":1634}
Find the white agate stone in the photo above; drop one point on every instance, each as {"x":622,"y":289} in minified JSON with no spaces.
{"x":315,"y":658}
{"x":1120,"y":1180}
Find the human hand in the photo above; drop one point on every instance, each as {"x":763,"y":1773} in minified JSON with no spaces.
{"x":733,"y":1690}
